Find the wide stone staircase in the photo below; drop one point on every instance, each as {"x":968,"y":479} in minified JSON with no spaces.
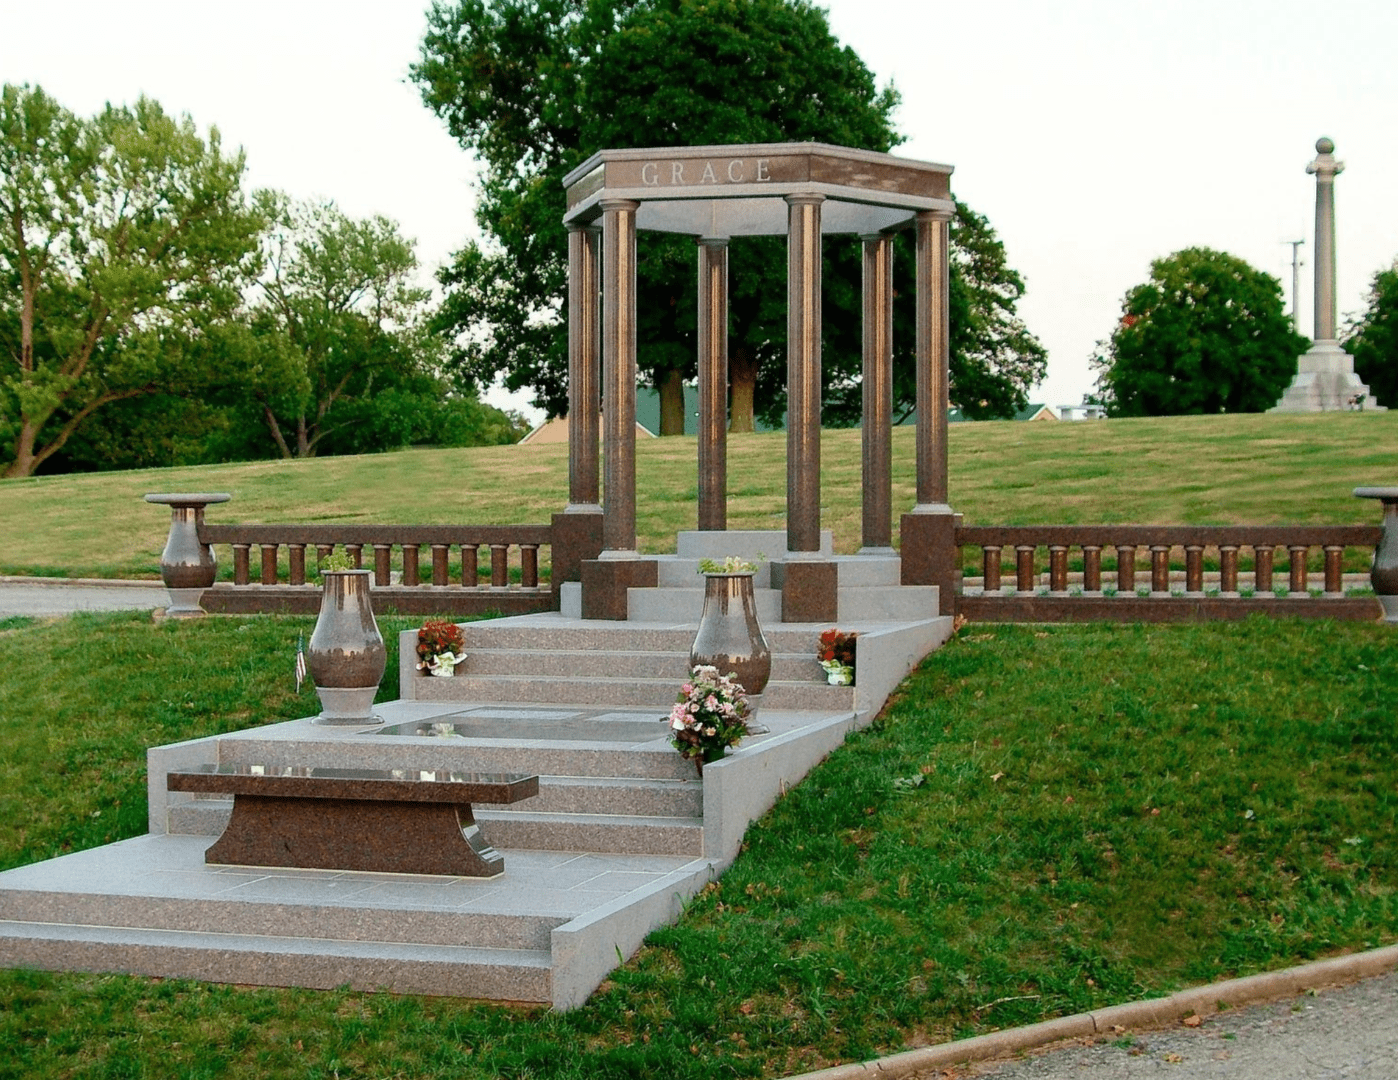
{"x":621,"y":833}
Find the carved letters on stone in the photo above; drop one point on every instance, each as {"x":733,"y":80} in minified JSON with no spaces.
{"x":691,"y":174}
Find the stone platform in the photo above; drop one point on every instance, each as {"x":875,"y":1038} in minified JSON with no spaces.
{"x":622,"y":832}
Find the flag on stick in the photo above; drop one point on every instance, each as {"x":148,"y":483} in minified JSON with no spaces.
{"x":300,"y":662}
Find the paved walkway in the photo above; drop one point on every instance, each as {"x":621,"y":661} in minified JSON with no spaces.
{"x":63,"y":596}
{"x":1347,"y":1033}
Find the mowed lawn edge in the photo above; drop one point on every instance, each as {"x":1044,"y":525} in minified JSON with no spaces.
{"x":1043,"y":820}
{"x":1176,"y":470}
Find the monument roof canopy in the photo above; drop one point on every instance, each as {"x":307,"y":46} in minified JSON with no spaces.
{"x":740,"y":190}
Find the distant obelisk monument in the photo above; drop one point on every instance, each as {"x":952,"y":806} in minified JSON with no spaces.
{"x":1325,"y":379}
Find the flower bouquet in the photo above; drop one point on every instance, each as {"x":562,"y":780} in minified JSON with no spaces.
{"x":710,"y":714}
{"x":441,"y":646}
{"x":836,"y":655}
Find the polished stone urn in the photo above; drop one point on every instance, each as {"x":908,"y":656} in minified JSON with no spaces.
{"x":1384,"y":573}
{"x":346,"y":654}
{"x":729,"y":637}
{"x":187,"y":564}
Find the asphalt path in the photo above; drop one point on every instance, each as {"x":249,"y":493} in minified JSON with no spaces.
{"x":46,"y":597}
{"x":1344,"y":1033}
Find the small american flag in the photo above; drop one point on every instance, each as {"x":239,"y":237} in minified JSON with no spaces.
{"x":300,"y":662}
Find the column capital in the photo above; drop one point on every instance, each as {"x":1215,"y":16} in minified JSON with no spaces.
{"x":714,"y":241}
{"x":618,"y":204}
{"x":1325,"y":168}
{"x":804,"y":198}
{"x":584,"y":227}
{"x":934,"y":215}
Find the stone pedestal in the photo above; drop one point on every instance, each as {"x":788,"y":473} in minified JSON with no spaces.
{"x":1325,"y":382}
{"x":605,"y":581}
{"x":810,"y":590}
{"x":929,"y":554}
{"x":577,"y":536}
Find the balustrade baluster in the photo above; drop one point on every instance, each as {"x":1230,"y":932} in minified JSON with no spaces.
{"x":529,"y":565}
{"x":296,"y":553}
{"x":1334,"y":570}
{"x":1058,"y":569}
{"x":1160,"y":570}
{"x":1262,"y":568}
{"x":1228,"y":570}
{"x":356,"y":555}
{"x":1024,"y":567}
{"x":1193,"y":570}
{"x":1126,"y":568}
{"x":1091,"y":568}
{"x":990,"y":563}
{"x":1297,"y":566}
{"x":382,"y":575}
{"x":440,"y":571}
{"x":499,"y":565}
{"x":471,"y":565}
{"x":323,"y":552}
{"x":269,"y":564}
{"x":410,"y":564}
{"x":240,"y":564}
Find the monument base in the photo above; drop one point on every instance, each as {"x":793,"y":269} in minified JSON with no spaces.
{"x":1325,"y":382}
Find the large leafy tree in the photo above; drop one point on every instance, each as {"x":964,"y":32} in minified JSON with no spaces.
{"x":533,"y":86}
{"x":121,"y":236}
{"x":340,"y":318}
{"x":1373,"y":338}
{"x":1206,"y":334}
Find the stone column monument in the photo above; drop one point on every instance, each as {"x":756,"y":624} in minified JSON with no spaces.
{"x":1325,"y":379}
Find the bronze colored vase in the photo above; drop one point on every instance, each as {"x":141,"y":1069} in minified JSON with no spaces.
{"x":729,"y":636}
{"x":346,"y":654}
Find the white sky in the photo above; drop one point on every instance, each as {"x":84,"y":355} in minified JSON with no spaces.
{"x":1096,"y":135}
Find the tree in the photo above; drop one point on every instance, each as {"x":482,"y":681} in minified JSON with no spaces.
{"x":514,"y":81}
{"x":1373,"y":338}
{"x":340,"y":315}
{"x":121,"y":237}
{"x":1206,"y":334}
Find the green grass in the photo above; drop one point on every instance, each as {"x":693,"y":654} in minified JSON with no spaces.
{"x":1043,"y":820}
{"x":1178,"y":470}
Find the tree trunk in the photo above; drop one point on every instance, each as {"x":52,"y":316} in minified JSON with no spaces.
{"x":303,"y":438}
{"x":742,"y":386}
{"x":276,"y":430}
{"x":23,"y":464}
{"x":671,"y":386}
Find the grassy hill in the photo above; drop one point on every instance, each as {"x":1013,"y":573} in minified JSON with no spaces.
{"x":1186,"y":470}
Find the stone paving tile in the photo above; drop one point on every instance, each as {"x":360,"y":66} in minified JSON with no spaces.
{"x":298,"y":889}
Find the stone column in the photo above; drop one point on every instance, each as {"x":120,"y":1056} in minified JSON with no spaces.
{"x":577,"y":532}
{"x":584,"y":364}
{"x":933,"y":358}
{"x":1325,"y":168}
{"x":928,"y":534}
{"x":803,"y":294}
{"x":877,"y":395}
{"x":1325,"y":378}
{"x":619,"y":377}
{"x":713,"y":383}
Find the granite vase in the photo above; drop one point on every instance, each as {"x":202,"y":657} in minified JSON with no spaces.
{"x":730,"y":638}
{"x":346,"y":654}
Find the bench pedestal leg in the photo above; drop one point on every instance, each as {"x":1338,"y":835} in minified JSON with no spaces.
{"x":354,"y":834}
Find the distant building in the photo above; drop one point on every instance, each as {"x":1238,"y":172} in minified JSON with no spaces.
{"x":1036,"y":412}
{"x":556,"y":431}
{"x":1084,"y":411}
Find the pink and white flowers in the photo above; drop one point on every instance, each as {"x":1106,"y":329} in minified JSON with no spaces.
{"x":710,"y":714}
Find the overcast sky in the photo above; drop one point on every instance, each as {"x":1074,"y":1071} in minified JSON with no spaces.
{"x":1095,"y":136}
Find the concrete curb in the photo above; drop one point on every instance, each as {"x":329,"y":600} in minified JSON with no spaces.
{"x":83,"y":583}
{"x":1135,"y":1014}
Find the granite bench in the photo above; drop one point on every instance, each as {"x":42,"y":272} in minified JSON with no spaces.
{"x":401,"y":821}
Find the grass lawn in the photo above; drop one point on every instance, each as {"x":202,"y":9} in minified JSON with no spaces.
{"x":1176,"y":470}
{"x":1042,"y":821}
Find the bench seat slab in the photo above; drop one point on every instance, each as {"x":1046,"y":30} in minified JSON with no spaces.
{"x":355,"y":834}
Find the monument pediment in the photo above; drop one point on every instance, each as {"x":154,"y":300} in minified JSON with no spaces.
{"x":740,"y":190}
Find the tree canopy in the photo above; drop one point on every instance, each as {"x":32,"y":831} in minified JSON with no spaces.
{"x":122,"y":236}
{"x":1206,"y":334}
{"x":1373,"y":338}
{"x":534,"y":86}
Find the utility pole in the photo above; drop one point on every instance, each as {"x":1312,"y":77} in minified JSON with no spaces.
{"x":1295,"y":282}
